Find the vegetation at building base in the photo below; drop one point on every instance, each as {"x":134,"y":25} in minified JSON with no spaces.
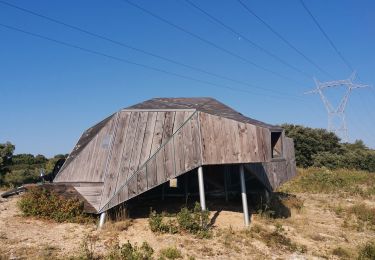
{"x":19,"y":169}
{"x":340,"y":181}
{"x":194,"y":221}
{"x":126,"y":251}
{"x":43,"y":203}
{"x":320,"y":148}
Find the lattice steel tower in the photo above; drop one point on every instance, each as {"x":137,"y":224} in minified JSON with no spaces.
{"x":338,"y":127}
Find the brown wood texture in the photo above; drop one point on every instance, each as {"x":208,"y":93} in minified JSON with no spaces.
{"x":89,"y":164}
{"x":227,"y":141}
{"x":160,"y":167}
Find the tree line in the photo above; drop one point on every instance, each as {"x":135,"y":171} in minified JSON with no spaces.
{"x":18,"y":169}
{"x":320,"y":148}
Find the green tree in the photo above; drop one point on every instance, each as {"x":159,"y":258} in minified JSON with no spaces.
{"x":309,"y":142}
{"x":6,"y":154}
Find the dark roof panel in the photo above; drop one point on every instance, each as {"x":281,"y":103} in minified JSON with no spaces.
{"x":204,"y":104}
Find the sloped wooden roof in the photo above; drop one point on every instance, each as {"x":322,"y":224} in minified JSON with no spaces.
{"x":204,"y":104}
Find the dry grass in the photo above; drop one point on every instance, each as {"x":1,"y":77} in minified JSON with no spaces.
{"x":326,"y":224}
{"x":342,"y":181}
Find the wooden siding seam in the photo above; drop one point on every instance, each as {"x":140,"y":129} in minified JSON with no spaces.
{"x":131,"y":151}
{"x":125,"y":136}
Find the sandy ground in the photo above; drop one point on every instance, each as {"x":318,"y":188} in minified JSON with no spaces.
{"x":316,"y":230}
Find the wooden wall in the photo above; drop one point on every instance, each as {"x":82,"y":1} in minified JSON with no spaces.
{"x":139,"y":149}
{"x":229,"y":141}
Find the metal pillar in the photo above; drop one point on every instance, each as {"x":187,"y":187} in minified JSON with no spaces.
{"x":201,"y":188}
{"x":102,"y":219}
{"x":244,"y":197}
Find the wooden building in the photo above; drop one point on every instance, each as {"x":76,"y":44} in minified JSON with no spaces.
{"x":146,"y":145}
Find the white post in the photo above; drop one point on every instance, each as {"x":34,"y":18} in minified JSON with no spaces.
{"x":102,"y":219}
{"x":244,"y":196}
{"x":201,"y":188}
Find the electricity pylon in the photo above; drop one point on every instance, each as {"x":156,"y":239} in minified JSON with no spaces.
{"x":340,"y":127}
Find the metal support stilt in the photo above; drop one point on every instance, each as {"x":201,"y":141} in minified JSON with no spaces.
{"x":201,"y":188}
{"x":244,"y":196}
{"x":102,"y":219}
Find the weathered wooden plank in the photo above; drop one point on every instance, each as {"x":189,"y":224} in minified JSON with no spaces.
{"x":160,"y":167}
{"x":147,"y":142}
{"x":102,"y":151}
{"x":187,"y":142}
{"x":141,"y":180}
{"x":132,"y":184}
{"x":138,"y":143}
{"x":169,"y":159}
{"x":114,"y":163}
{"x":168,"y":148}
{"x":267,"y":143}
{"x":126,"y":155}
{"x":151,"y":172}
{"x":252,"y":143}
{"x":261,"y":144}
{"x":178,"y":142}
{"x":195,"y":141}
{"x":158,"y":132}
{"x":92,"y":194}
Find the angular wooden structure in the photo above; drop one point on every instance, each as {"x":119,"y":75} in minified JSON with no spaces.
{"x":145,"y":145}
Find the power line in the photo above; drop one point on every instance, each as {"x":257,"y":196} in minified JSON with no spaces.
{"x":346,"y":62}
{"x":252,"y":43}
{"x":98,"y":53}
{"x":281,"y":37}
{"x":125,"y":45}
{"x":212,"y":44}
{"x":333,"y":45}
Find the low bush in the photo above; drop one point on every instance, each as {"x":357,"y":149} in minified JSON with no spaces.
{"x":363,"y":213}
{"x":133,"y":252}
{"x":279,"y":205}
{"x":342,"y":253}
{"x":367,"y":252}
{"x":193,"y":221}
{"x":170,"y":253}
{"x":43,"y":203}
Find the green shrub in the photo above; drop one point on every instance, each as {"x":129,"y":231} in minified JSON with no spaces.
{"x":133,"y":252}
{"x":43,"y":203}
{"x":193,"y":221}
{"x":159,"y":225}
{"x":367,"y":252}
{"x":170,"y":253}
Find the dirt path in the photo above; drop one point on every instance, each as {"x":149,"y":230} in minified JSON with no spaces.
{"x":314,"y":233}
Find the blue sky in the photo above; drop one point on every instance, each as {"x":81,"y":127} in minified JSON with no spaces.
{"x":50,"y":93}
